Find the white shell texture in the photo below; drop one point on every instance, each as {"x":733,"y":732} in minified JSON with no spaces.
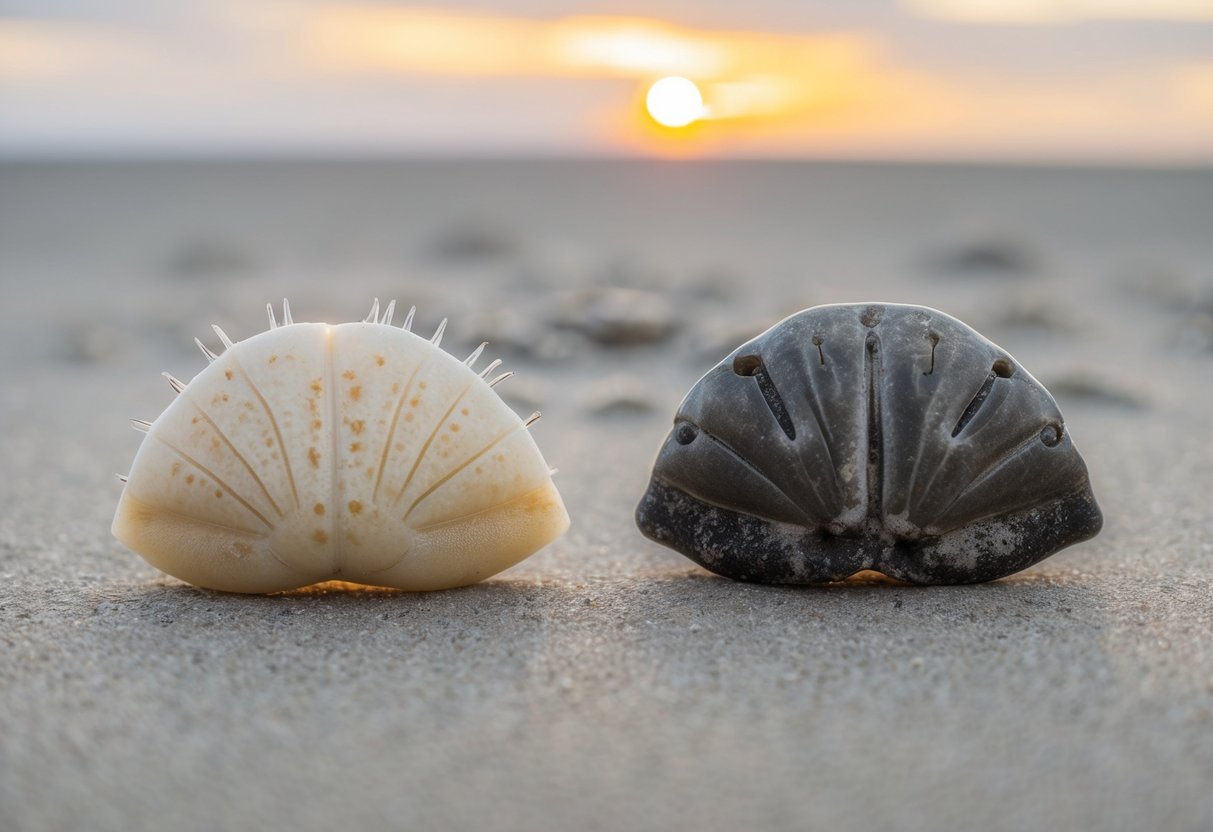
{"x":357,"y":452}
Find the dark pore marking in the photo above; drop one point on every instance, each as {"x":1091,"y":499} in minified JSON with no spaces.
{"x":871,"y":315}
{"x":934,"y":339}
{"x":747,"y":365}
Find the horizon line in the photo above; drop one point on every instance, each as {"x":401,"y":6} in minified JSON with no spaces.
{"x":304,"y":156}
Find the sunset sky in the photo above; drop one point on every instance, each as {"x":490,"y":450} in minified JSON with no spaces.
{"x":1018,"y":80}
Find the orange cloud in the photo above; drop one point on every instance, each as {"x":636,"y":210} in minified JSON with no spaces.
{"x":1046,"y":12}
{"x":574,"y":84}
{"x":742,"y":74}
{"x":40,"y":51}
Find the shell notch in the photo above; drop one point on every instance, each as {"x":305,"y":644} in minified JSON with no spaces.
{"x":359,"y":452}
{"x":868,"y":437}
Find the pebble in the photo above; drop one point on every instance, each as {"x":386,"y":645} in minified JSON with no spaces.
{"x":91,"y":343}
{"x":1089,"y":387}
{"x":614,"y":316}
{"x":994,"y":256}
{"x":618,"y":394}
{"x":1040,"y":311}
{"x":474,"y":241}
{"x":1163,"y":286}
{"x":1200,"y":325}
{"x":211,"y":260}
{"x":516,"y":330}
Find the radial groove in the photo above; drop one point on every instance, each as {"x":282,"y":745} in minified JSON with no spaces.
{"x":486,"y":510}
{"x":425,"y":447}
{"x":461,"y":466}
{"x":391,"y":434}
{"x":913,"y":494}
{"x":757,"y":471}
{"x":990,"y":471}
{"x":872,"y":372}
{"x":218,"y":480}
{"x":770,"y":394}
{"x":243,"y":461}
{"x":823,"y":431}
{"x":286,"y":459}
{"x":330,"y":391}
{"x":979,"y":399}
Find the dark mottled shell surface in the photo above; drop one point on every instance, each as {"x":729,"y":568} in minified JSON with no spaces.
{"x":868,"y":436}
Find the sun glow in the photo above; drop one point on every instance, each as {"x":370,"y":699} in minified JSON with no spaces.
{"x":674,"y":101}
{"x":740,"y":77}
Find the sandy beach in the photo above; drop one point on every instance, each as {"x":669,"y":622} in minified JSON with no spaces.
{"x":606,"y":682}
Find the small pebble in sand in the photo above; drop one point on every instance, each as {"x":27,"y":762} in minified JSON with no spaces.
{"x":1092,"y":388}
{"x":1200,"y":323}
{"x":211,"y":260}
{"x":614,"y":316}
{"x":618,"y":394}
{"x":992,"y":256}
{"x":514,"y":329}
{"x":473,"y":242}
{"x":93,"y":342}
{"x":1163,"y":286}
{"x":1038,"y":311}
{"x":713,"y":284}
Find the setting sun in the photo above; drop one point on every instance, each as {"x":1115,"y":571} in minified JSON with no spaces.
{"x":674,"y":102}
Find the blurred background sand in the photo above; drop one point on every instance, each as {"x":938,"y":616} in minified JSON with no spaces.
{"x":605,"y":683}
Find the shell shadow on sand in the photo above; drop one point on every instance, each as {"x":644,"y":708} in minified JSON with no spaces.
{"x":554,"y":617}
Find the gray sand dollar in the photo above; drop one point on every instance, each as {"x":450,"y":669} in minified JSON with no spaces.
{"x":871,"y":436}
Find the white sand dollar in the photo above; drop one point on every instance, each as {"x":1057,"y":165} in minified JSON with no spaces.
{"x":356,"y":452}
